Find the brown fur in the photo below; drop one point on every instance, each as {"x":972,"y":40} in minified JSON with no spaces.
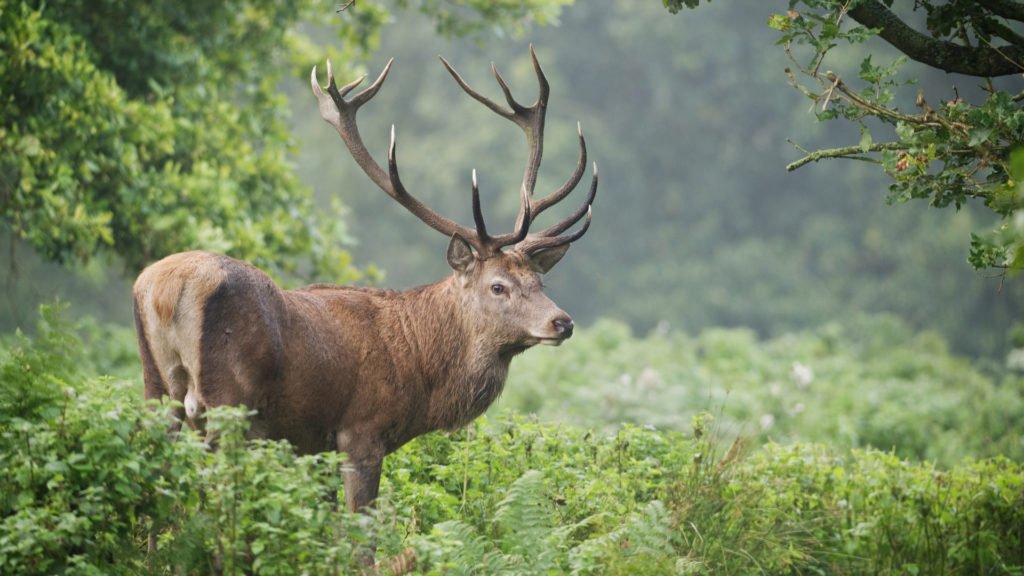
{"x":358,"y":370}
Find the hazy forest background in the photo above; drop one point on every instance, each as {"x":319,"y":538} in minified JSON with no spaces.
{"x":835,"y":331}
{"x":698,"y":224}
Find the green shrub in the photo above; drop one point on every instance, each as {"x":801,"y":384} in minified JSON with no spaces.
{"x":870,"y":382}
{"x":646,"y":501}
{"x":91,"y":472}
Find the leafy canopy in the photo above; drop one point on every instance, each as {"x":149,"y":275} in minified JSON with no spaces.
{"x":946,"y":149}
{"x":149,"y":128}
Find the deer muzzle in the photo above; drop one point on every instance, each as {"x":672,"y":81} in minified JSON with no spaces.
{"x":563,"y":327}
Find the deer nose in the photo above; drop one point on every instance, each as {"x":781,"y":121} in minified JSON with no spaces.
{"x":563,"y":326}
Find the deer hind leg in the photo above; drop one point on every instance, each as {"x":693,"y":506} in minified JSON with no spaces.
{"x":156,"y":385}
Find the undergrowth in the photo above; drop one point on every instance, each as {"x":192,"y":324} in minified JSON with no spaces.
{"x":90,"y":472}
{"x":868,"y":383}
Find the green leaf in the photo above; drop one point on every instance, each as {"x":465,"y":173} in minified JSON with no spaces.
{"x":865,"y":139}
{"x":978,"y":135}
{"x":780,"y":22}
{"x":1016,"y":164}
{"x":905,"y":131}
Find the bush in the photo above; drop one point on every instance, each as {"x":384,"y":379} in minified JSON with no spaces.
{"x":871,"y":382}
{"x":91,"y":472}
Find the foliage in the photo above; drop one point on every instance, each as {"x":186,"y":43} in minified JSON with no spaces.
{"x":960,"y":148}
{"x":90,"y":472}
{"x":467,"y":18}
{"x":865,"y":383}
{"x":140,"y":130}
{"x":145,"y":130}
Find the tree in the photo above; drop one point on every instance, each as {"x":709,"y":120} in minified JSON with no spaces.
{"x":949,"y":149}
{"x":144,"y":128}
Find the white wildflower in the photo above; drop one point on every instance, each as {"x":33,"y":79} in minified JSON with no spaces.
{"x":801,"y":374}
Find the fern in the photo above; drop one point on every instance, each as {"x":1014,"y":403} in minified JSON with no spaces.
{"x":523,"y":517}
{"x":642,"y":545}
{"x":464,"y":551}
{"x":525,"y":539}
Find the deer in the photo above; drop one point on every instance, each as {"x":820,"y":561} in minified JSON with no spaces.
{"x":364,"y":370}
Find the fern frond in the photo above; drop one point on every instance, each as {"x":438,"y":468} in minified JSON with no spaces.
{"x":642,"y":545}
{"x":465,"y":550}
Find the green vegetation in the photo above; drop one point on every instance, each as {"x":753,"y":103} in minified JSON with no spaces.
{"x":948,"y":146}
{"x":816,"y":415}
{"x":146,"y":129}
{"x":90,"y":472}
{"x":867,"y":383}
{"x":138,"y":130}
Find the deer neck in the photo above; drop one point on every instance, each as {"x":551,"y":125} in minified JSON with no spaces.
{"x":464,"y":371}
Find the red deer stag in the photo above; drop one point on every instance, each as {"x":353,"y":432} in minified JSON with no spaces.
{"x":363,"y":370}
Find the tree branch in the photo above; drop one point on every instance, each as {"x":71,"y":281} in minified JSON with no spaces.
{"x":998,"y":29}
{"x":1005,"y":8}
{"x":848,"y":152}
{"x":981,"y":61}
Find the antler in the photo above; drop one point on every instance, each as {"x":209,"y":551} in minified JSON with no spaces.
{"x":549,"y":237}
{"x":531,"y":121}
{"x":341,"y":114}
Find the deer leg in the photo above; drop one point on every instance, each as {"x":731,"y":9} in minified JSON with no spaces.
{"x":363,"y":459}
{"x":362,"y":481}
{"x":363,"y":462}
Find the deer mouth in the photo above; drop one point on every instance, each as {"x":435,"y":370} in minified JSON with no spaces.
{"x":547,"y":340}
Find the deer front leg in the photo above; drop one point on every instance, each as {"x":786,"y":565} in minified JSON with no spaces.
{"x":363,"y":460}
{"x":362,"y":481}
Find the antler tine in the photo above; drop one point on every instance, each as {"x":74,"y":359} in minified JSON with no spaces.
{"x":522,"y":222}
{"x":549,"y":237}
{"x":573,"y":218}
{"x":341,"y":114}
{"x":491,"y":104}
{"x":570,"y":184}
{"x":478,"y":215}
{"x":531,"y":121}
{"x":420,"y":210}
{"x":369,"y":92}
{"x":532,"y":244}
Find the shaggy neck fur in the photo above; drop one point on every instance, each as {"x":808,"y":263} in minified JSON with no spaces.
{"x":465,"y":370}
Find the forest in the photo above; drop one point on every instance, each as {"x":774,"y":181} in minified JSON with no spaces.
{"x":799,"y":342}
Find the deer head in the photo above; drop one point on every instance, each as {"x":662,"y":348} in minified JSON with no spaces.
{"x":499,"y":275}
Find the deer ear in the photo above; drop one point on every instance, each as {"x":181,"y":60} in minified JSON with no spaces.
{"x":460,"y":255}
{"x":546,"y":259}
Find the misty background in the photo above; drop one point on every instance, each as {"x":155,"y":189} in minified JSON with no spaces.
{"x":696,"y":222}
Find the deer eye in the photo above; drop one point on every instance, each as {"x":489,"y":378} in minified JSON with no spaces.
{"x":497,"y":289}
